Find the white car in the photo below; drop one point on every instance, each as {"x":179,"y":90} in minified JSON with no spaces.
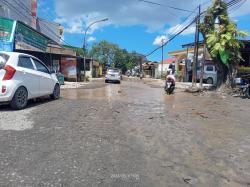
{"x":113,"y":75}
{"x":210,"y":74}
{"x":24,"y":77}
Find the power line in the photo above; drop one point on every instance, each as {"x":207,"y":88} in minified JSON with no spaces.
{"x":173,"y":37}
{"x":181,"y":26}
{"x":14,"y":8}
{"x":237,"y":7}
{"x":175,"y":8}
{"x":229,"y":4}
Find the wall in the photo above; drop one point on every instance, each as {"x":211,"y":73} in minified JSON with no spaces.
{"x":21,"y":10}
{"x":165,"y":68}
{"x":49,"y":29}
{"x":17,"y":10}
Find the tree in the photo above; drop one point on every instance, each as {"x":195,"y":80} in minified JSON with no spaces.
{"x":104,"y":52}
{"x":222,"y":41}
{"x":79,"y":52}
{"x":109,"y":54}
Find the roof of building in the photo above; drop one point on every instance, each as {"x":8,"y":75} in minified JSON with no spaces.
{"x":168,"y":61}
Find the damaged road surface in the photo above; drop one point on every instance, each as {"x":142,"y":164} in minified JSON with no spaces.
{"x":126,"y":135}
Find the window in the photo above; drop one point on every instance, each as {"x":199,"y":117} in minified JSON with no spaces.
{"x":113,"y":70}
{"x":210,"y":68}
{"x":40,"y":67}
{"x":3,"y":59}
{"x":25,"y":62}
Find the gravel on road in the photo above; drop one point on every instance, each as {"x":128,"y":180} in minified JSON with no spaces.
{"x":127,"y":134}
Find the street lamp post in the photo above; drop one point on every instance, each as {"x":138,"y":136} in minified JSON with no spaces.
{"x":84,"y":42}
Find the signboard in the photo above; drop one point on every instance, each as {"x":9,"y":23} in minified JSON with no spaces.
{"x":68,"y":67}
{"x":7,"y":29}
{"x":28,"y":39}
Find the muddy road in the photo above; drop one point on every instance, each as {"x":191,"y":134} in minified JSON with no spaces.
{"x":126,"y":135}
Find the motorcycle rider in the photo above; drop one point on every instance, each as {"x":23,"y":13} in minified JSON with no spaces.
{"x":170,"y":76}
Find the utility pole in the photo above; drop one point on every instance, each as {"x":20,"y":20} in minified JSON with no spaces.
{"x":196,"y":48}
{"x":141,"y":61}
{"x":203,"y":64}
{"x":162,"y":56}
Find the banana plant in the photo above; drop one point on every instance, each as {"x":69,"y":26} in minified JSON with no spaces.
{"x":222,"y":36}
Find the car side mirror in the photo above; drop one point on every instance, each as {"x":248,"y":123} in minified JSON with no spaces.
{"x":52,"y":71}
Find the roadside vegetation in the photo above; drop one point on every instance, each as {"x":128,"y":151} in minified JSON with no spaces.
{"x":222,"y":36}
{"x":110,"y":54}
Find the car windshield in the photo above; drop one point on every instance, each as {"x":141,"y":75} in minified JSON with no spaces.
{"x":3,"y":59}
{"x":113,"y":71}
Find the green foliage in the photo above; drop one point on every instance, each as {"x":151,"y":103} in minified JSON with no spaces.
{"x":79,"y":52}
{"x":244,"y":69}
{"x":222,"y":38}
{"x":111,"y":54}
{"x":244,"y":72}
{"x":104,"y":52}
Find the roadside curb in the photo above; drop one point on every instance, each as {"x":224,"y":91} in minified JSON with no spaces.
{"x":73,"y":85}
{"x":179,"y":85}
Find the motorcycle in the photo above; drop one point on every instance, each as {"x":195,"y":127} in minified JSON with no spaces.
{"x":244,"y":86}
{"x":169,"y":86}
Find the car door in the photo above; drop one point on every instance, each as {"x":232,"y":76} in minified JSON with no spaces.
{"x":46,"y":81}
{"x":209,"y":70}
{"x":27,"y":74}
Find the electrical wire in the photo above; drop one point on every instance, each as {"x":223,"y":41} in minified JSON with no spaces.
{"x":229,"y":4}
{"x":171,"y":7}
{"x":45,"y":26}
{"x":233,"y":9}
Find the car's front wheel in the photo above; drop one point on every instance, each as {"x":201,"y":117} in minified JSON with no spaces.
{"x":210,"y":80}
{"x":20,"y":99}
{"x":56,"y":93}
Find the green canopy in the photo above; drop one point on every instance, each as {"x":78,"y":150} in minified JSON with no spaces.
{"x":224,"y":56}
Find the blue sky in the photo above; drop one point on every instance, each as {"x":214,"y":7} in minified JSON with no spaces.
{"x":132,"y":25}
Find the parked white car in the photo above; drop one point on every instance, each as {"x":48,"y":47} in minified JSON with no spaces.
{"x":113,"y":75}
{"x":24,"y":77}
{"x":210,"y":74}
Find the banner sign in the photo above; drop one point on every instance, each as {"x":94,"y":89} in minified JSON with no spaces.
{"x":7,"y":29}
{"x":68,"y":67}
{"x":28,"y":39}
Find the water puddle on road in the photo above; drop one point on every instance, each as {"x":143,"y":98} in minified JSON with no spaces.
{"x":106,"y":92}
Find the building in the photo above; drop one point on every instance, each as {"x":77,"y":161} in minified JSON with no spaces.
{"x":164,"y":66}
{"x":184,"y":59}
{"x":150,"y":69}
{"x":26,"y":12}
{"x":22,"y":31}
{"x":245,"y":51}
{"x":93,"y":68}
{"x":11,"y":9}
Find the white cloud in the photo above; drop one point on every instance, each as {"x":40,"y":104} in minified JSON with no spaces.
{"x":76,"y":15}
{"x":91,"y":39}
{"x":74,"y":25}
{"x":179,"y":27}
{"x":122,"y":13}
{"x":159,"y":39}
{"x":173,"y":30}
